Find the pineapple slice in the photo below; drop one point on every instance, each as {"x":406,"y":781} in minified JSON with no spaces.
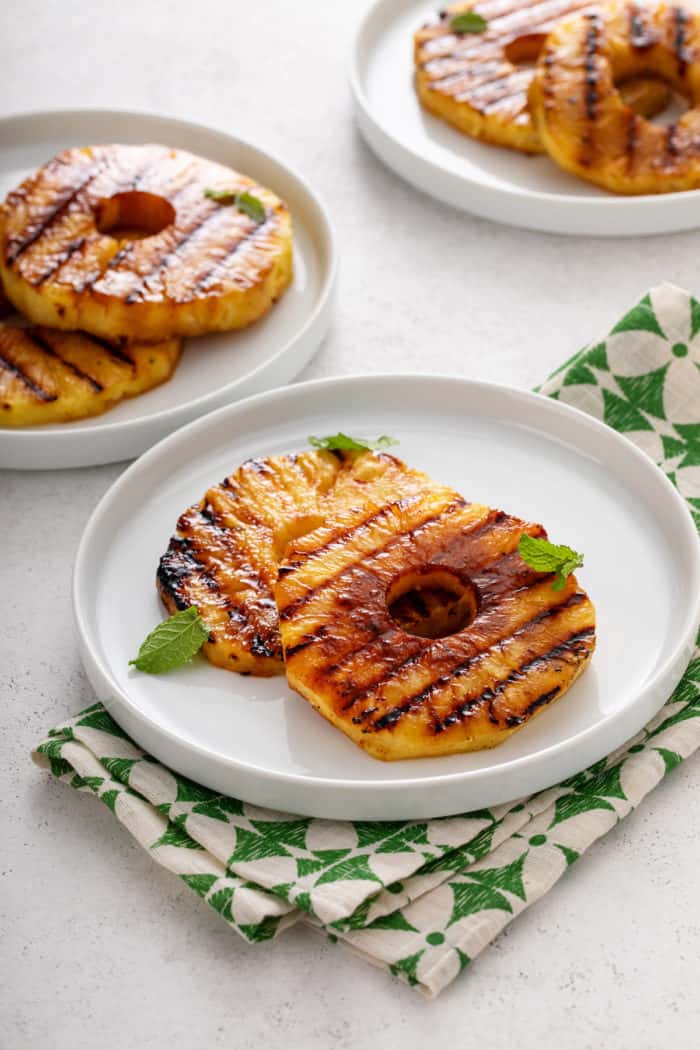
{"x":123,"y":242}
{"x":417,"y":629}
{"x":48,"y":376}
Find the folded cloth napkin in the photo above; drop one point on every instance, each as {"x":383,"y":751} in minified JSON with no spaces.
{"x":423,"y":898}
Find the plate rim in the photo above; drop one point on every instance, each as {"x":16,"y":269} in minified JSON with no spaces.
{"x":88,"y":639}
{"x":104,"y":427}
{"x":382,"y":138}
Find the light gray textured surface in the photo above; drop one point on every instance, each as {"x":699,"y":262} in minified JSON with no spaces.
{"x":101,"y":948}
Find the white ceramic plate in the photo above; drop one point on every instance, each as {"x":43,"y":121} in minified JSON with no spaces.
{"x":496,"y":183}
{"x":216,"y":369}
{"x":535,"y":457}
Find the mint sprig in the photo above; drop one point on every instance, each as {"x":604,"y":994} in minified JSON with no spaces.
{"x":172,"y":643}
{"x":468,"y":22}
{"x":543,"y":556}
{"x":244,"y":201}
{"x":341,"y":442}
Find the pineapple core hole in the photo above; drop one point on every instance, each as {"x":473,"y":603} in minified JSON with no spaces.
{"x":134,"y":215}
{"x":525,"y":50}
{"x":431,"y":601}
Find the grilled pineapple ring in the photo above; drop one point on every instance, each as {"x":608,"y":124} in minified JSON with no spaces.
{"x":73,"y":254}
{"x":584,"y":123}
{"x":48,"y":376}
{"x":479,"y":82}
{"x":355,"y":652}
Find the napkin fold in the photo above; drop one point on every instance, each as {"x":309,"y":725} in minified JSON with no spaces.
{"x":423,"y":898}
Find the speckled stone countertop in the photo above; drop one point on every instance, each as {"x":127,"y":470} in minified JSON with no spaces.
{"x":102,"y":949}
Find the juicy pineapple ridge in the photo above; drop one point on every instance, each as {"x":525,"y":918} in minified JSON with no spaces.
{"x":357,"y":657}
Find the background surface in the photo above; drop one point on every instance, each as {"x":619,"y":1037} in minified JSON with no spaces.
{"x":100,"y":947}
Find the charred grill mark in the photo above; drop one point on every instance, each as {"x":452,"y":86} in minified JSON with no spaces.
{"x":570,"y":646}
{"x":117,"y":352}
{"x":641,"y":36}
{"x":573,"y":645}
{"x":507,"y":22}
{"x":352,"y":530}
{"x":493,"y":519}
{"x":547,"y":86}
{"x":540,"y":701}
{"x":391,"y":717}
{"x":671,"y":144}
{"x":166,"y":260}
{"x":118,"y":257}
{"x":215,"y":525}
{"x":177,"y":566}
{"x":461,"y":668}
{"x":63,"y":257}
{"x":208,"y":276}
{"x":680,"y":18}
{"x":174,"y":570}
{"x":632,"y":136}
{"x":260,"y":647}
{"x":496,"y":90}
{"x":38,"y":229}
{"x":34,"y":388}
{"x":637,"y":34}
{"x":259,"y":466}
{"x":590,"y":65}
{"x":307,"y":640}
{"x":392,"y":634}
{"x":298,"y":603}
{"x":42,"y":343}
{"x":207,"y":512}
{"x":214,"y":522}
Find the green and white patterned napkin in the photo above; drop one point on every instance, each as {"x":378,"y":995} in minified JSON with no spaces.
{"x":423,"y":898}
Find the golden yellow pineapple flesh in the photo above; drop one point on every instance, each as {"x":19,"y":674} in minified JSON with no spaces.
{"x":122,"y":242}
{"x":49,"y":376}
{"x":417,"y":629}
{"x":225,"y":555}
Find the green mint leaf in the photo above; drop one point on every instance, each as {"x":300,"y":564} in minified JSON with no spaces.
{"x":468,"y":22}
{"x":343,"y":443}
{"x":221,"y":196}
{"x":252,"y":207}
{"x":245,"y":202}
{"x":543,"y":556}
{"x":172,"y":643}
